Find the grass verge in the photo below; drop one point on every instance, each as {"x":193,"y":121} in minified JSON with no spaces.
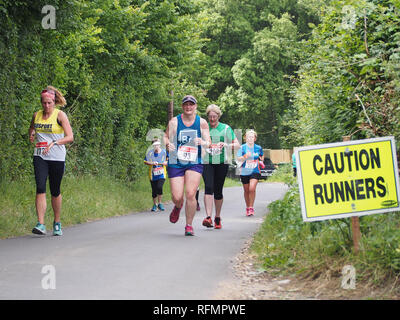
{"x":286,"y":245}
{"x":85,"y":198}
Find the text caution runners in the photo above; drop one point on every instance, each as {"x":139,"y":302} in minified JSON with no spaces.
{"x":345,"y":179}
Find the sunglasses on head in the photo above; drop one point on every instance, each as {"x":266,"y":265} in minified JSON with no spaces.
{"x":49,"y":91}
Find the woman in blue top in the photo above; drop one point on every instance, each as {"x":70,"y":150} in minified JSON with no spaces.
{"x":251,"y":156}
{"x":156,"y":159}
{"x":184,"y":137}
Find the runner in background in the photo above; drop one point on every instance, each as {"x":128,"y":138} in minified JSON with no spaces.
{"x":50,"y":130}
{"x":184,"y":137}
{"x":157,"y":159}
{"x":294,"y":164}
{"x":216,"y":165}
{"x":250,"y":155}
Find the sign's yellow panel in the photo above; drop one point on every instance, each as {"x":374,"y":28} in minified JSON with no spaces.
{"x":346,"y":179}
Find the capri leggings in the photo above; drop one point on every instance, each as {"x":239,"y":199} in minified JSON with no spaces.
{"x":47,"y":168}
{"x":214,"y":178}
{"x":157,"y":187}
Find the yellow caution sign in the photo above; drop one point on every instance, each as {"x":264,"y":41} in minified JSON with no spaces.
{"x":346,"y":179}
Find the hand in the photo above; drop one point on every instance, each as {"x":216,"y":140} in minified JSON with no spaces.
{"x":198,"y":141}
{"x":221,"y":145}
{"x":155,"y":163}
{"x":47,"y":150}
{"x":32,"y":136}
{"x":170,"y":147}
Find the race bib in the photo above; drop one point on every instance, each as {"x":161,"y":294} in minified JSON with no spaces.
{"x":39,"y":148}
{"x":187,"y":153}
{"x":158,"y":171}
{"x":251,"y":164}
{"x":214,"y":150}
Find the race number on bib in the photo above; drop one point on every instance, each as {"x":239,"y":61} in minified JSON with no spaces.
{"x":187,"y":153}
{"x":214,"y":150}
{"x":39,"y":148}
{"x":158,"y":171}
{"x":251,"y":164}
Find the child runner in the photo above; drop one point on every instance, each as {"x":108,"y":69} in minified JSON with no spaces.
{"x":250,"y":155}
{"x":157,"y":160}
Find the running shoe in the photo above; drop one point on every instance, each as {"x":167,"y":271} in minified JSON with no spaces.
{"x":154,"y":208}
{"x":251,"y":211}
{"x":174,"y":216}
{"x":217,"y":223}
{"x":207,"y":222}
{"x":189,"y":230}
{"x":57,"y":229}
{"x":248,"y":212}
{"x":161,"y":207}
{"x":39,"y":229}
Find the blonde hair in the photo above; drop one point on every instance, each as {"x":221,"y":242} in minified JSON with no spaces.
{"x":214,"y":108}
{"x":251,"y":131}
{"x":59,"y":100}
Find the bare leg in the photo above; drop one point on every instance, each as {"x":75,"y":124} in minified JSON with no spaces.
{"x":192,"y":181}
{"x":246,"y":194}
{"x":208,"y":204}
{"x":252,"y":191}
{"x":41,"y":206}
{"x":218,"y":206}
{"x":56,"y":204}
{"x":177,"y":190}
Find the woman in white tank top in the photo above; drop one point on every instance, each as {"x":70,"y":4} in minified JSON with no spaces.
{"x":50,"y":130}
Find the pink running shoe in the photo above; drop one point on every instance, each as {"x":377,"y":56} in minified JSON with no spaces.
{"x":174,"y":216}
{"x":189,"y":230}
{"x":251,"y":211}
{"x":248,"y":212}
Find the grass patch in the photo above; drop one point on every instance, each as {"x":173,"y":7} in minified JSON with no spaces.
{"x":85,"y":198}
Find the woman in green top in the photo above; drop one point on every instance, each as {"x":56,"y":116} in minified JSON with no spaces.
{"x":223,"y":139}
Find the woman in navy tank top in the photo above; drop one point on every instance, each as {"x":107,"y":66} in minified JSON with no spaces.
{"x":184,"y":138}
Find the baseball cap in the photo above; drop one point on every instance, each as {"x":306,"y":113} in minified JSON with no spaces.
{"x":189,"y":98}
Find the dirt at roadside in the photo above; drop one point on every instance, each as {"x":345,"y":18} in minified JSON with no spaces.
{"x":251,"y":283}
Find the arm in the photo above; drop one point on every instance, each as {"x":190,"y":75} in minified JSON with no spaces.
{"x":205,"y":133}
{"x":149,"y":163}
{"x":170,"y":133}
{"x":68,"y":134}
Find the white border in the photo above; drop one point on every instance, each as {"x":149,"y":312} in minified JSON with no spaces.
{"x":338,"y":144}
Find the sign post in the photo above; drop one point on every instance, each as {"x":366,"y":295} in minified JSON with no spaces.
{"x":355,"y":221}
{"x":348,"y":179}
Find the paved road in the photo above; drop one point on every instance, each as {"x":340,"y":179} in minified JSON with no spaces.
{"x":137,"y":256}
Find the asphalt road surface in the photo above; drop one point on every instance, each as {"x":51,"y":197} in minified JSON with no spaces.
{"x":137,"y":256}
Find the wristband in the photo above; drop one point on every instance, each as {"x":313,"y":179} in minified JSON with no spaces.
{"x":55,"y":142}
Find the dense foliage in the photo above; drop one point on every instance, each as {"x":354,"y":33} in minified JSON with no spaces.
{"x":115,"y":62}
{"x":348,"y":83}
